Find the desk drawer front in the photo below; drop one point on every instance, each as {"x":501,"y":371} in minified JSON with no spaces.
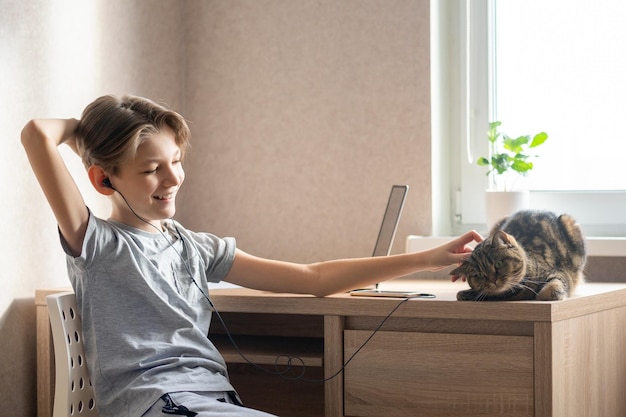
{"x":427,"y":374}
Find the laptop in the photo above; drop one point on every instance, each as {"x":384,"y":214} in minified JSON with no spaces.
{"x":386,"y":235}
{"x":389,"y":225}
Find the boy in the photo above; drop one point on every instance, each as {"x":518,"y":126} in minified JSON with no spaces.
{"x":141,"y":278}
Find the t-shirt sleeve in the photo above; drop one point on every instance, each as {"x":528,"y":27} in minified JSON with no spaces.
{"x":220,"y":256}
{"x":64,"y":243}
{"x":216,"y":253}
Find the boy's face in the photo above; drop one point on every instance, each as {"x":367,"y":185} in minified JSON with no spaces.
{"x":149,"y":182}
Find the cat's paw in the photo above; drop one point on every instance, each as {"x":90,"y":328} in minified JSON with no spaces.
{"x":554,"y":290}
{"x":467,"y":295}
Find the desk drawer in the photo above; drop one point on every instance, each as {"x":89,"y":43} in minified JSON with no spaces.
{"x":428,"y":374}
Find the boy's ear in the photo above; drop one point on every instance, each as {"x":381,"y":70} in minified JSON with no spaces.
{"x":98,"y":178}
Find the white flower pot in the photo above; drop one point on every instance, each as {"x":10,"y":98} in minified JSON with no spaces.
{"x":501,"y":204}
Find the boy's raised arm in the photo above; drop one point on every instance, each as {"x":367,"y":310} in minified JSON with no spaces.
{"x":41,"y":139}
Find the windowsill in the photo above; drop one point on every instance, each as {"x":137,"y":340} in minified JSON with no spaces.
{"x":596,"y":246}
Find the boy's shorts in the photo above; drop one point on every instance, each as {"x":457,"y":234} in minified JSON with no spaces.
{"x":203,"y":404}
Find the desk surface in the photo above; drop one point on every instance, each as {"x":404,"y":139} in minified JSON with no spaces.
{"x":589,"y":298}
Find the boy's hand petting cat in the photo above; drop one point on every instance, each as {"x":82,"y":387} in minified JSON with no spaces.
{"x":454,"y":278}
{"x":453,"y":252}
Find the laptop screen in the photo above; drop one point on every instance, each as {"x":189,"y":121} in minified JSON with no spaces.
{"x":390,"y":220}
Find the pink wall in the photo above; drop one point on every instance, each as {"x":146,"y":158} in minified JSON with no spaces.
{"x":303,"y":116}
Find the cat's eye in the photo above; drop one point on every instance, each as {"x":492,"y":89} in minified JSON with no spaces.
{"x":498,"y":264}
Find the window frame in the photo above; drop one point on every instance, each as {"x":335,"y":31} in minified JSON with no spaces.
{"x":462,"y":98}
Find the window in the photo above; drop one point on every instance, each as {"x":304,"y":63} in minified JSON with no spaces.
{"x":535,"y":65}
{"x":560,"y":67}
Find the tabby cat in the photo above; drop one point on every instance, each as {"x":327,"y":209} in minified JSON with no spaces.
{"x":530,"y":255}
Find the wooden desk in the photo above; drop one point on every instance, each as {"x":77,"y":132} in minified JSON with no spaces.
{"x":431,"y":357}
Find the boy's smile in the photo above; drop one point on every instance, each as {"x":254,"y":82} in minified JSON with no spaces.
{"x":147,"y":184}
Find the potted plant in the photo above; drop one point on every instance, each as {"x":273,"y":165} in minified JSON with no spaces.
{"x":510,"y":158}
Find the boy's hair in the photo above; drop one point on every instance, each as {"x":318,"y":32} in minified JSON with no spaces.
{"x":111,"y":129}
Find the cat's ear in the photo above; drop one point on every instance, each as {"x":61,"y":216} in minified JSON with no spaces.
{"x":460,"y":271}
{"x":503,"y":238}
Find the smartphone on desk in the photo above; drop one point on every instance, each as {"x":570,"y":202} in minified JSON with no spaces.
{"x":389,"y":293}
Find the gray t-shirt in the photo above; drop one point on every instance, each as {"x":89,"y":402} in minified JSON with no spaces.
{"x":145,"y":322}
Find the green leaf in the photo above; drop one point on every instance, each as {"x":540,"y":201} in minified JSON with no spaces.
{"x":501,"y":162}
{"x":516,"y":145}
{"x":522,"y":166}
{"x":501,"y":169}
{"x":539,"y":139}
{"x":493,"y":134}
{"x":482,"y":161}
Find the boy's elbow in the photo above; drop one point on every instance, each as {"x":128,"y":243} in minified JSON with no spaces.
{"x":29,"y":131}
{"x":33,"y":134}
{"x":322,"y":294}
{"x":323,"y":288}
{"x":316,"y":285}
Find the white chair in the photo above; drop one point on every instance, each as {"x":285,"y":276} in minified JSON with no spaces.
{"x":73,"y":392}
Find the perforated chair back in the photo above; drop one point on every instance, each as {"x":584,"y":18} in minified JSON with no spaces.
{"x":73,"y":392}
